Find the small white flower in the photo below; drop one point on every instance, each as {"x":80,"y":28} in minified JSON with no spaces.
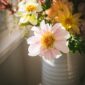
{"x":32,"y":7}
{"x":28,"y":18}
{"x":29,"y":6}
{"x":27,"y":12}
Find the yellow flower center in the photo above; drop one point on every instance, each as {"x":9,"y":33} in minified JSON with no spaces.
{"x":68,"y":22}
{"x":47,"y":40}
{"x":30,"y":8}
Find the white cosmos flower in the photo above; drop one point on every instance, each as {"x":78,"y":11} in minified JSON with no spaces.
{"x":27,"y":12}
{"x":29,"y":6}
{"x":28,"y":18}
{"x":48,"y":41}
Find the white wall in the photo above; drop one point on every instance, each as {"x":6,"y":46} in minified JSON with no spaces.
{"x":20,"y":69}
{"x":32,"y":67}
{"x":16,"y":67}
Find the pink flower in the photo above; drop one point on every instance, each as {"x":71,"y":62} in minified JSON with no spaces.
{"x":5,"y":5}
{"x":48,"y":41}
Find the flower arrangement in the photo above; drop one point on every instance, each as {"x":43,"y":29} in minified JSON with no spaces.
{"x":58,"y":25}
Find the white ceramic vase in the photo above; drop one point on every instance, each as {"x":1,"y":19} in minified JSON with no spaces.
{"x":65,"y":71}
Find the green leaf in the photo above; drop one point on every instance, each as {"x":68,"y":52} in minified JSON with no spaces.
{"x":76,"y":43}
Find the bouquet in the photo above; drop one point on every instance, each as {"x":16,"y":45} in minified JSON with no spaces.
{"x":58,"y":25}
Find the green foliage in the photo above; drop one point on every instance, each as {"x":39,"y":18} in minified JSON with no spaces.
{"x":47,"y":4}
{"x":24,"y":24}
{"x":76,"y":43}
{"x":40,"y":18}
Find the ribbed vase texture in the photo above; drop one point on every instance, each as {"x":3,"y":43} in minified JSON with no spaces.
{"x":64,"y":72}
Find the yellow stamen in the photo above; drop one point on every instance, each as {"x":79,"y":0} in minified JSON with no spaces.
{"x":47,"y":40}
{"x":68,"y":21}
{"x":30,"y":8}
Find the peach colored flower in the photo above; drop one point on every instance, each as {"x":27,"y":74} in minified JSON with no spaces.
{"x":58,"y":6}
{"x":48,"y":41}
{"x":61,"y":11}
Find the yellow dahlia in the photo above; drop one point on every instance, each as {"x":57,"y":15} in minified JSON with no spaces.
{"x":70,"y":21}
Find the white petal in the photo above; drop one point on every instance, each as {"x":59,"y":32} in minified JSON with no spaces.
{"x":50,"y":54}
{"x":33,"y":39}
{"x":56,"y":53}
{"x":43,"y":26}
{"x":50,"y":60}
{"x":31,"y":1}
{"x":34,"y":50}
{"x":33,"y":19}
{"x":44,"y":53}
{"x":39,"y":8}
{"x":60,"y":32}
{"x":21,"y":6}
{"x":62,"y":46}
{"x":23,"y":20}
{"x":49,"y":27}
{"x":36,"y":30}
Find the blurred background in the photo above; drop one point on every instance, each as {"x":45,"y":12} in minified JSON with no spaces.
{"x":16,"y":67}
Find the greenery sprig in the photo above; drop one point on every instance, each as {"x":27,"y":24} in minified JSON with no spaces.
{"x":76,"y":44}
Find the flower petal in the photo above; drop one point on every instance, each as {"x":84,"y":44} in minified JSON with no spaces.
{"x":34,"y":50}
{"x":33,"y":39}
{"x":36,"y":30}
{"x":49,"y":27}
{"x":43,"y":26}
{"x":23,"y":19}
{"x":39,"y":8}
{"x":21,"y":6}
{"x":60,"y":32}
{"x":56,"y":53}
{"x":62,"y":46}
{"x":33,"y":19}
{"x":50,"y":53}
